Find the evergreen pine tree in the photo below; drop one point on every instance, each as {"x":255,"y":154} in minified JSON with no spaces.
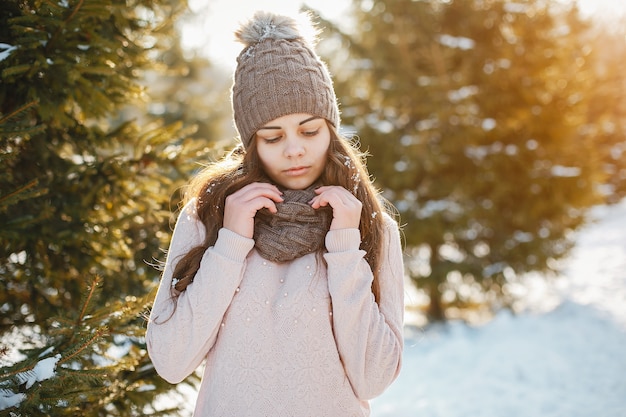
{"x":86,"y":195}
{"x":472,"y":112}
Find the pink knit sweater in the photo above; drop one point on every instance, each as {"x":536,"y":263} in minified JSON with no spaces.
{"x":295,"y":339}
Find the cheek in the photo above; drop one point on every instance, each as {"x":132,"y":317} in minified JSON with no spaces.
{"x":324,"y":148}
{"x":270,"y":165}
{"x":265,"y":156}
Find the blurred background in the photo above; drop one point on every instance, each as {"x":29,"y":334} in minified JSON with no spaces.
{"x":497,"y":128}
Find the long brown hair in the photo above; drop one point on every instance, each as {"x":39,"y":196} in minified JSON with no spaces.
{"x":345,"y":167}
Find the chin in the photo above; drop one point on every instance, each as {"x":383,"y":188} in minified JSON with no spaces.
{"x":297,"y":184}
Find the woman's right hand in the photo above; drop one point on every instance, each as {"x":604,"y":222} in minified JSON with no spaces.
{"x":241,"y":206}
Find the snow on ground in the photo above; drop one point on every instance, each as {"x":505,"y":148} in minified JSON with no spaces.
{"x":569,"y":361}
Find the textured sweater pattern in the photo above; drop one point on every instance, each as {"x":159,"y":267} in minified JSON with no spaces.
{"x":303,"y":338}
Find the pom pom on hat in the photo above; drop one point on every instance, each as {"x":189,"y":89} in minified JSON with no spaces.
{"x":266,"y":25}
{"x":279,"y":73}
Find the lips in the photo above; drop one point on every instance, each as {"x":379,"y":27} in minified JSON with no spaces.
{"x":295,"y":171}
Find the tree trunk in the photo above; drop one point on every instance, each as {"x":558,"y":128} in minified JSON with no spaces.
{"x":435,"y":310}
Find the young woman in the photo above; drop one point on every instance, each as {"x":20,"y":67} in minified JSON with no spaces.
{"x":284,"y":273}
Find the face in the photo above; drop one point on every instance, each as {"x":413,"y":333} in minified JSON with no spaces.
{"x":293,"y":149}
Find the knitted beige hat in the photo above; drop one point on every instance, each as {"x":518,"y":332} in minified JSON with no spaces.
{"x":278,"y":73}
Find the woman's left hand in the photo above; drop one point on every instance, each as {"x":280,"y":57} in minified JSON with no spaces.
{"x":346,"y":207}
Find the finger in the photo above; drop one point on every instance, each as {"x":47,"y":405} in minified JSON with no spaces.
{"x":261,"y":188}
{"x":255,"y":190}
{"x":264,"y":202}
{"x":335,"y":196}
{"x":267,"y":194}
{"x":324,"y":188}
{"x":315,"y":202}
{"x":324,"y":199}
{"x":336,"y":190}
{"x":249,"y":206}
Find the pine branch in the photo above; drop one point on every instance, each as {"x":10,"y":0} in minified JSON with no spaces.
{"x":24,"y":132}
{"x":5,"y":200}
{"x":13,"y":372}
{"x":15,"y":70}
{"x":76,"y":9}
{"x":91,"y":289}
{"x":19,"y":127}
{"x":54,"y":37}
{"x":18,"y":111}
{"x":100,"y":332}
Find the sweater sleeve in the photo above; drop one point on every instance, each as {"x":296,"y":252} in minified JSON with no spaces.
{"x":181,"y":330}
{"x":368,"y":335}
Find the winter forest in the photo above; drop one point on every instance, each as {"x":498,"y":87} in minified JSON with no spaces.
{"x":497,"y":128}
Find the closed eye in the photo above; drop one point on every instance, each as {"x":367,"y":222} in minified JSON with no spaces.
{"x":311,"y":132}
{"x":272,"y":140}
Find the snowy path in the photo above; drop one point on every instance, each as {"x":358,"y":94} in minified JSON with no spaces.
{"x":567,"y":362}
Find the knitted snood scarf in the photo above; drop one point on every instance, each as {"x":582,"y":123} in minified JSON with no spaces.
{"x":295,"y":230}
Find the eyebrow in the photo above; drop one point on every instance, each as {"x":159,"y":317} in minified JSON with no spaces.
{"x":299,"y":124}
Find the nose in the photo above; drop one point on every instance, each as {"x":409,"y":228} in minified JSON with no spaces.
{"x":293,"y":147}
